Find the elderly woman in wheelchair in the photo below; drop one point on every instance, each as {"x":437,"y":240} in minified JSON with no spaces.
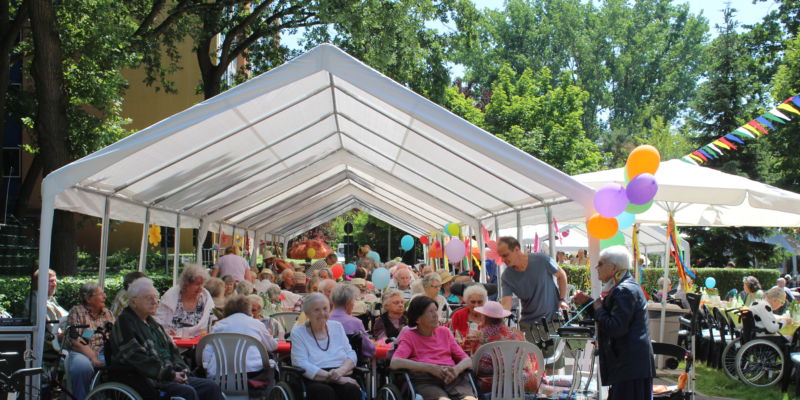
{"x":322,"y":351}
{"x":144,"y":357}
{"x":435,"y":363}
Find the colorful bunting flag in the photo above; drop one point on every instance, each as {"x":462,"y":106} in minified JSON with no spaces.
{"x":754,"y":128}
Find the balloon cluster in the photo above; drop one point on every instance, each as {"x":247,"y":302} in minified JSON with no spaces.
{"x":616,"y":205}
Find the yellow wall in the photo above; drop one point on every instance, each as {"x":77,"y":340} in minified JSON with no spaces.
{"x":145,"y":106}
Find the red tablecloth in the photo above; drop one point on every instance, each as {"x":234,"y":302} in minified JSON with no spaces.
{"x":187,"y":343}
{"x":380,"y":350}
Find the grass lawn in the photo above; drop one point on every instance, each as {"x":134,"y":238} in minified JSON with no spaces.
{"x":714,"y":382}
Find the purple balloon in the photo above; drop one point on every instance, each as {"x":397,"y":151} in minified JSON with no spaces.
{"x":642,"y":188}
{"x":455,"y":249}
{"x":610,"y":200}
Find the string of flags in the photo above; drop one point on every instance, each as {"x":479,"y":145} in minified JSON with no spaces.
{"x":753,"y":129}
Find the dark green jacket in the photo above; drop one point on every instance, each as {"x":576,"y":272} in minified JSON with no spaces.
{"x":133,"y":347}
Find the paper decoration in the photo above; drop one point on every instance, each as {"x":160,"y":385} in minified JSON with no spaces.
{"x":154,"y":234}
{"x":757,"y":127}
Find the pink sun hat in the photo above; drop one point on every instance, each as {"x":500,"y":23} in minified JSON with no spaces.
{"x":493,"y":309}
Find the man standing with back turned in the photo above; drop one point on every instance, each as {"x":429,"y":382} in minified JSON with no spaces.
{"x":530,"y":278}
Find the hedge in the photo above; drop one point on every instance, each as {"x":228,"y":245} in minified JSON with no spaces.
{"x":15,"y":290}
{"x":727,"y":278}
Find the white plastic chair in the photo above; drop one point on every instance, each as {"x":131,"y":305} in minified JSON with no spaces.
{"x":230,"y":358}
{"x":509,"y":358}
{"x":287,"y":319}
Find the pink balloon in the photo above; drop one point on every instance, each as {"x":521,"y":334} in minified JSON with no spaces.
{"x":642,"y":189}
{"x":610,"y":200}
{"x":565,"y":233}
{"x":454,"y":249}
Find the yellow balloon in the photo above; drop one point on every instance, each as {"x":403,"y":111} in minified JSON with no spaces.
{"x":311,"y":253}
{"x":453,"y":229}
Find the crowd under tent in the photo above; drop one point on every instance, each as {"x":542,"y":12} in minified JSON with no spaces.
{"x":296,"y":146}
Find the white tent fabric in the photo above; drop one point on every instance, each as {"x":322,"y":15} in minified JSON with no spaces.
{"x":701,"y":196}
{"x":289,"y":149}
{"x":282,"y":136}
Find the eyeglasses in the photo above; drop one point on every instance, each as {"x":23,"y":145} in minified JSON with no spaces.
{"x":151,"y":299}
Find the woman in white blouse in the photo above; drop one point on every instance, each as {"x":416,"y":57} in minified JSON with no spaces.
{"x":320,"y":347}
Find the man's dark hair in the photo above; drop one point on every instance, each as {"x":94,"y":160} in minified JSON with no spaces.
{"x":130,"y":277}
{"x":417,"y":307}
{"x":331,"y":256}
{"x":510,"y":241}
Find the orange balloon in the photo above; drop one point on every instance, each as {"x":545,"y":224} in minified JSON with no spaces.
{"x":601,"y":227}
{"x":644,"y":158}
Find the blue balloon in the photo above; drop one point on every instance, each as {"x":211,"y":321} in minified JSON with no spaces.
{"x":375,"y":257}
{"x":380,"y":278}
{"x":710,"y":282}
{"x":407,"y":242}
{"x":349,"y":269}
{"x":625,"y":220}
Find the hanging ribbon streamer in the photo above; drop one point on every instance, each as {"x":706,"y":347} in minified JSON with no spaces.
{"x":536,"y":243}
{"x":558,"y":233}
{"x":760,"y":126}
{"x":683,"y":270}
{"x":635,"y":245}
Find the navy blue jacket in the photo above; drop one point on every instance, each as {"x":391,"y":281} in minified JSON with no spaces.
{"x":623,"y":339}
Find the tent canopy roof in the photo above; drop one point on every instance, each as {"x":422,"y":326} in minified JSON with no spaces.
{"x":317,"y":136}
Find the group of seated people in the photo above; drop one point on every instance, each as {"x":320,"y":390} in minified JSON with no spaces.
{"x":413,"y":313}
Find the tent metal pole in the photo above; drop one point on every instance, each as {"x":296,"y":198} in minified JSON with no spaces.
{"x":256,"y":249}
{"x":201,"y":237}
{"x":389,"y":244}
{"x":145,"y":240}
{"x":664,"y":291}
{"x":45,"y":241}
{"x":519,"y":226}
{"x":177,"y":255}
{"x":285,"y":246}
{"x":101,"y":278}
{"x":551,"y":236}
{"x":479,"y":236}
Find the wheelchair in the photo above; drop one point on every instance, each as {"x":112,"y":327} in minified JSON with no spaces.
{"x":291,"y":384}
{"x":757,"y":359}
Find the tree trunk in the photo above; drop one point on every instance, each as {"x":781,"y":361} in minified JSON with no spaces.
{"x":51,"y":123}
{"x":28,"y":184}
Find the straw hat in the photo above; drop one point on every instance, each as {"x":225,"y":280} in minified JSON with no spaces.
{"x":493,"y":309}
{"x":445,"y":275}
{"x":268,"y":254}
{"x":359,"y":282}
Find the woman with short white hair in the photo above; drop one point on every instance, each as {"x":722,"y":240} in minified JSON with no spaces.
{"x":321,"y":348}
{"x":467,"y":319}
{"x":626,"y":355}
{"x":393,"y":319}
{"x":187,"y":307}
{"x":431,"y":284}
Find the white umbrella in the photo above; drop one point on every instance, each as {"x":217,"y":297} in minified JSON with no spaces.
{"x":701,"y":196}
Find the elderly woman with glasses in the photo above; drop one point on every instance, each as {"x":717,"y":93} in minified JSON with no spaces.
{"x":144,"y":357}
{"x":626,"y":356}
{"x":431,"y":284}
{"x":467,"y":319}
{"x":393,"y":319}
{"x":321,"y":348}
{"x":86,"y":351}
{"x":186,"y":308}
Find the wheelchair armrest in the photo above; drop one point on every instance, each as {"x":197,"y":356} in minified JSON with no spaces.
{"x":361,"y":370}
{"x":292,"y":369}
{"x":685,"y":322}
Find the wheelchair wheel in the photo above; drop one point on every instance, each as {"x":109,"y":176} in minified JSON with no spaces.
{"x":388,"y":392}
{"x":729,"y":359}
{"x":113,"y":391}
{"x":281,"y":391}
{"x":760,"y":363}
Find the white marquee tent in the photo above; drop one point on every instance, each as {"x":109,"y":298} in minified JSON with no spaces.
{"x":297,"y":146}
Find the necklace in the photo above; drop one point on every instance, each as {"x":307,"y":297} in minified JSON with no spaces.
{"x":327,"y":337}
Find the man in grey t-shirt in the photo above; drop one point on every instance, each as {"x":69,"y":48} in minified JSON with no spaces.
{"x":530,"y":278}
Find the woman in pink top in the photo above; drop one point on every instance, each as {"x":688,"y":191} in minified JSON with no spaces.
{"x":431,"y":355}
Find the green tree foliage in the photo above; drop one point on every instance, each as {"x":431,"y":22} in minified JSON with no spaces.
{"x":632,"y":57}
{"x":531,"y":113}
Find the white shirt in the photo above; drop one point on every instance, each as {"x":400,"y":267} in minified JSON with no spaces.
{"x":244,"y":324}
{"x":308,"y":353}
{"x":232,"y":265}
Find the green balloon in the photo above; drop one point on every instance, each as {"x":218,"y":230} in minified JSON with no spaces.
{"x":638,"y":208}
{"x":625,"y":172}
{"x":618,"y":239}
